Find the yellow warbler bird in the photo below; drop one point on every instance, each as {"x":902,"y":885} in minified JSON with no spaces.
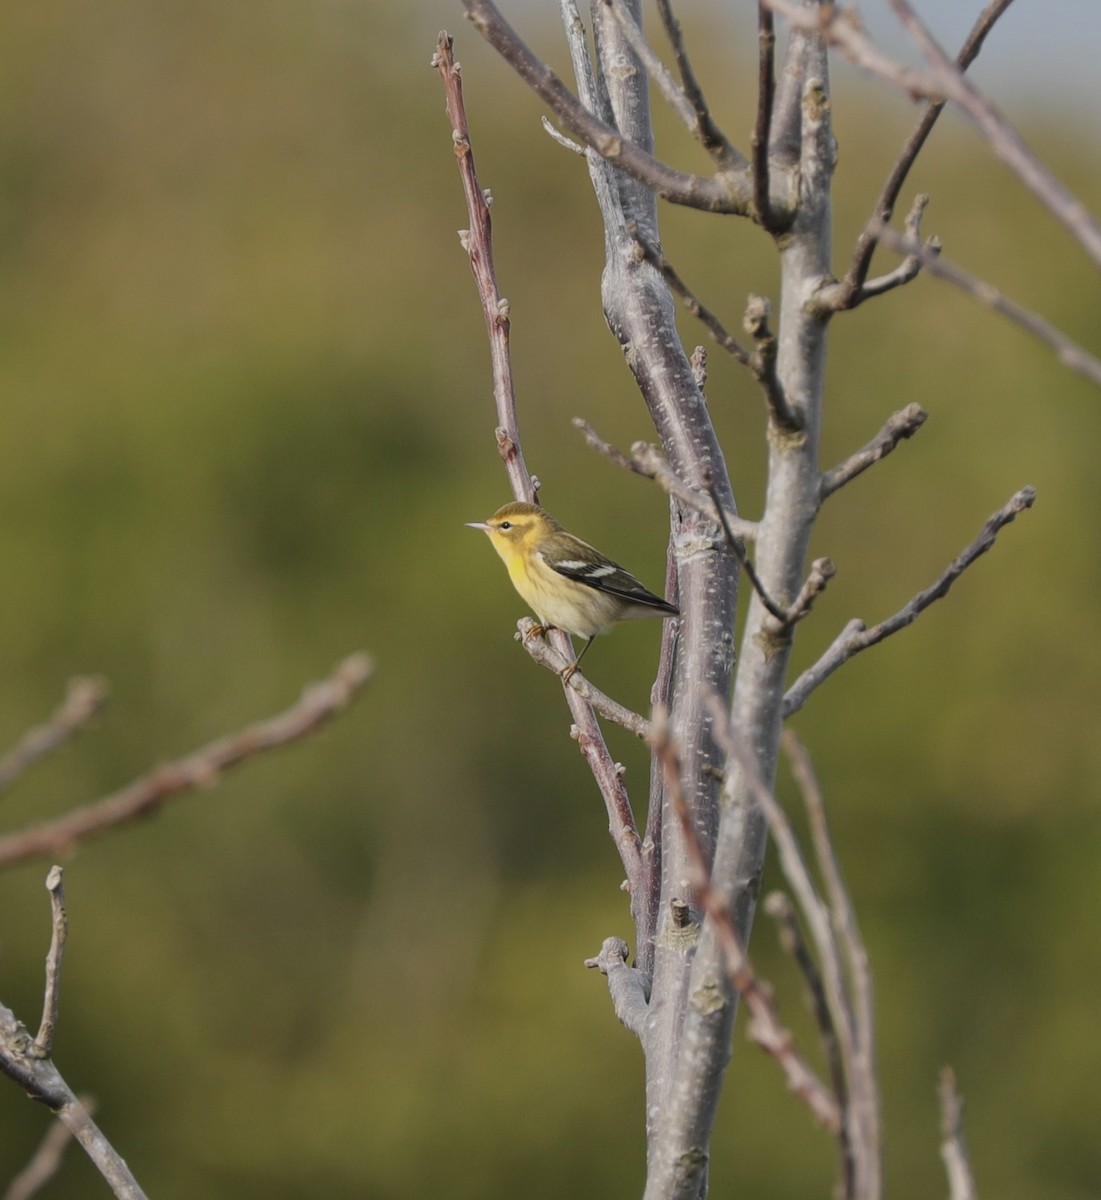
{"x":568,"y":584}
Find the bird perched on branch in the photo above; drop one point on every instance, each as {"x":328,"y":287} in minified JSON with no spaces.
{"x":569,"y":584}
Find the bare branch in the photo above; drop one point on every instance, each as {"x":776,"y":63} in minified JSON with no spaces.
{"x":653,"y":464}
{"x":319,"y":703}
{"x":763,"y":365}
{"x":60,"y":922}
{"x":765,"y":1028}
{"x":597,"y":443}
{"x":837,"y":941}
{"x":862,"y":1108}
{"x":822,"y":570}
{"x":779,"y":907}
{"x":46,"y":1160}
{"x":648,"y":461}
{"x":710,"y":136}
{"x":854,"y":282}
{"x":901,"y":425}
{"x":547,"y":656}
{"x":766,"y":95}
{"x":856,"y":636}
{"x":478,"y":243}
{"x":728,"y":192}
{"x":655,"y":68}
{"x":1067,"y":351}
{"x":839,"y":296}
{"x":654,"y":256}
{"x":558,"y":136}
{"x":25,"y":1060}
{"x":625,"y":984}
{"x":84,"y":697}
{"x":777,"y":610}
{"x":961,"y":1183}
{"x":944,"y":80}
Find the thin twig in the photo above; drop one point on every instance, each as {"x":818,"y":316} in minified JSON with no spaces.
{"x":822,"y":570}
{"x":26,"y":1061}
{"x":838,"y":296}
{"x":478,"y":243}
{"x":766,"y":1028}
{"x":52,"y":995}
{"x":840,"y":902}
{"x":762,"y":362}
{"x":863,"y":1089}
{"x":648,"y":461}
{"x":854,"y":281}
{"x":779,"y":907}
{"x":722,"y":336}
{"x":944,"y":80}
{"x":766,"y":94}
{"x":654,"y":465}
{"x":1067,"y":351}
{"x":548,"y":656}
{"x":46,"y":1160}
{"x":203,"y":768}
{"x":738,"y":548}
{"x":899,"y":426}
{"x":711,"y":137}
{"x":961,"y":1182}
{"x":838,"y":945}
{"x":728,"y":192}
{"x":84,"y":697}
{"x":856,"y":636}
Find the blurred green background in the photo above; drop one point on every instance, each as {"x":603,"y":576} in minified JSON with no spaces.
{"x":246,"y":410}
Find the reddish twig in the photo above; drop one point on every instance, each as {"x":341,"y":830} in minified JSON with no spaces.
{"x":477,"y":241}
{"x":203,"y":768}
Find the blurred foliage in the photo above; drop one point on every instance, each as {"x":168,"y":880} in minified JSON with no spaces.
{"x":247,"y":407}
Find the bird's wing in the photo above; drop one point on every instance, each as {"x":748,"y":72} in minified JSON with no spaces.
{"x":604,"y":575}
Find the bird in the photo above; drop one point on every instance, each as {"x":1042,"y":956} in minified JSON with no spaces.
{"x":568,"y":584}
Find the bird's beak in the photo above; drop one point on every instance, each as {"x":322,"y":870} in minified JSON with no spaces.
{"x":478,"y":525}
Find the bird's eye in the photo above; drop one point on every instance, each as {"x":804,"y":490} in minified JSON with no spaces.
{"x":505,"y":525}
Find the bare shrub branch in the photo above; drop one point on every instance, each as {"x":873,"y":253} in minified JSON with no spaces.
{"x":944,"y":80}
{"x":853,"y":284}
{"x":961,"y":1183}
{"x":1067,"y":351}
{"x":728,"y":192}
{"x":26,"y":1061}
{"x":46,"y":1160}
{"x":201,"y":769}
{"x":856,"y":636}
{"x":900,"y":425}
{"x":84,"y":697}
